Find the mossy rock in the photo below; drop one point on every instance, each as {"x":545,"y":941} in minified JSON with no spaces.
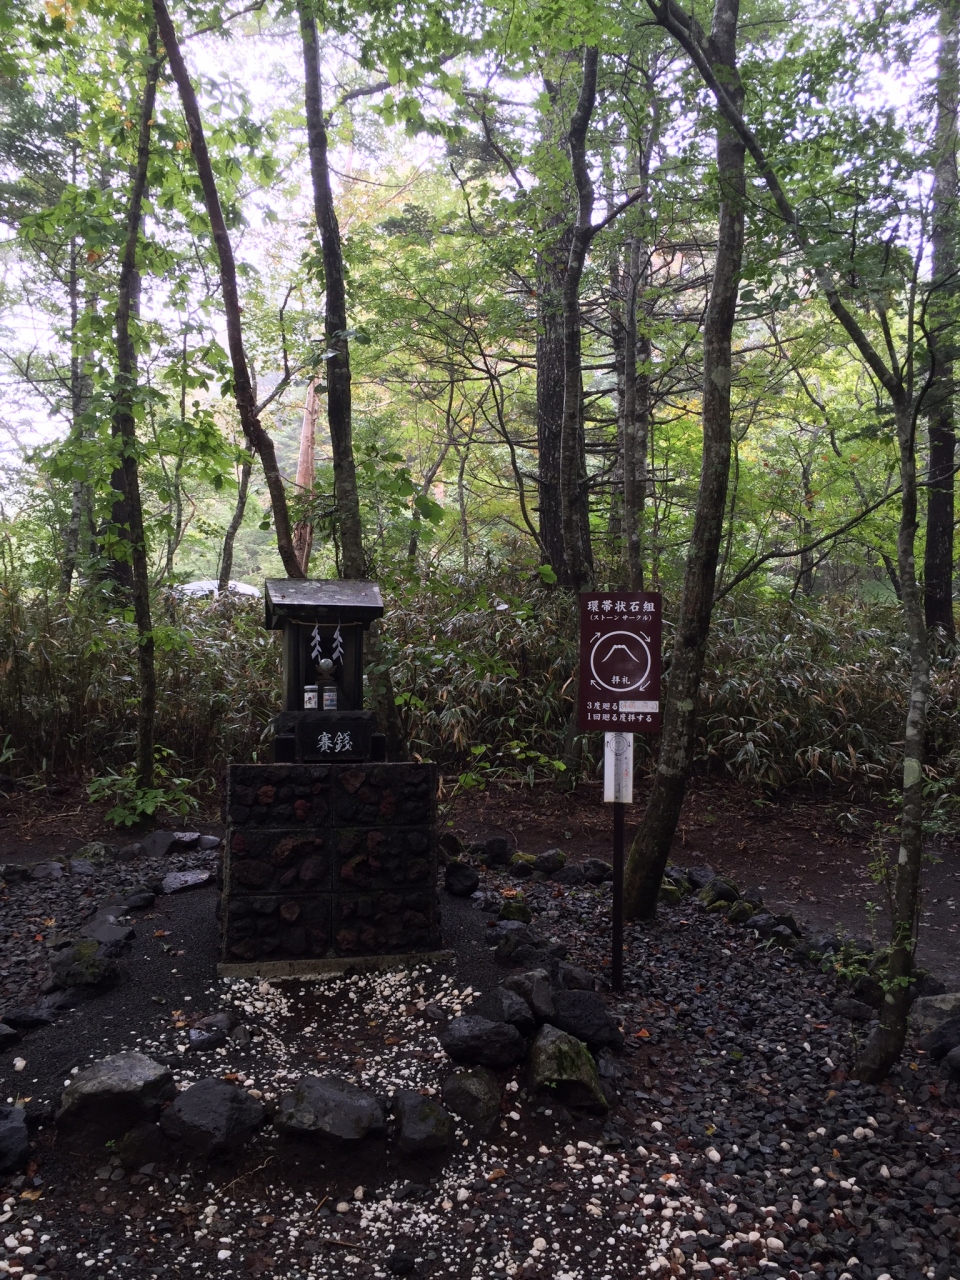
{"x":740,"y":912}
{"x":516,"y":911}
{"x":719,"y":891}
{"x":527,"y":858}
{"x":679,"y":879}
{"x":670,"y":893}
{"x":562,"y":1065}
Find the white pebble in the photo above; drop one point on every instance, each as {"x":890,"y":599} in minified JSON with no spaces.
{"x":19,"y":1064}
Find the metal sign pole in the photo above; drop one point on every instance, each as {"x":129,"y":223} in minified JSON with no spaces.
{"x":616,"y":969}
{"x":619,"y":694}
{"x":618,"y":791}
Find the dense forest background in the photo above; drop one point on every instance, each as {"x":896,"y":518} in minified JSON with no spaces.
{"x":536,"y":225}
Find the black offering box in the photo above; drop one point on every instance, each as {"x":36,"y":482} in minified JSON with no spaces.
{"x":331,"y":852}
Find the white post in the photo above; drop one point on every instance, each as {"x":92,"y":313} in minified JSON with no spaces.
{"x":618,"y":768}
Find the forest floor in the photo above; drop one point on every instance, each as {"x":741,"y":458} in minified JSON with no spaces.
{"x":809,"y":856}
{"x":736,"y":1144}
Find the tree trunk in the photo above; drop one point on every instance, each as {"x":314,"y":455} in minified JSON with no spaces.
{"x":634,"y":425}
{"x":125,"y":430}
{"x":938,"y":552}
{"x":573,"y":486}
{"x":885,"y":1044}
{"x":648,"y":855}
{"x":230,"y":537}
{"x":346,"y":496}
{"x":259,"y":439}
{"x":306,"y":475}
{"x":79,"y":395}
{"x":550,"y":403}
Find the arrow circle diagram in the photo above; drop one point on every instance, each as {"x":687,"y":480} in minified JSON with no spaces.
{"x":624,"y":655}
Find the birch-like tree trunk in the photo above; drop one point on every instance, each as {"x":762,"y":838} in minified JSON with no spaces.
{"x":885,"y":1043}
{"x":648,"y":855}
{"x":306,"y":474}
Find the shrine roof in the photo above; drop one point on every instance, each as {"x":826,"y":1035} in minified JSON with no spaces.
{"x":323,"y":600}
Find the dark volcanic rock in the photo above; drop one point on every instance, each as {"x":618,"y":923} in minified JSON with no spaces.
{"x":479,"y":1042}
{"x":8,"y":1036}
{"x":504,"y":1005}
{"x":112,"y":1095}
{"x":178,"y":881}
{"x":700,"y":877}
{"x":571,"y":876}
{"x":330,"y":1107}
{"x":561,"y":1065}
{"x":14,"y":1141}
{"x":157,"y":844}
{"x":424,"y":1125}
{"x":200,"y":1038}
{"x":855,"y":1010}
{"x":495,"y":852}
{"x":535,"y":988}
{"x":550,"y":861}
{"x":460,"y":880}
{"x":212,"y":1117}
{"x":583,"y":1014}
{"x":474,"y":1096}
{"x":939,"y":1042}
{"x":83,"y":964}
{"x":952,"y":1062}
{"x":719,"y":890}
{"x":764,"y":923}
{"x":596,"y":871}
{"x":573,"y":978}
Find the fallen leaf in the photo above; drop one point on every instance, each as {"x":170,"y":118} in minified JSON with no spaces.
{"x":494,"y":1174}
{"x":31,"y":1195}
{"x":161,"y":933}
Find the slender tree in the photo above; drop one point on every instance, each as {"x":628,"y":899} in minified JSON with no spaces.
{"x":258,"y":438}
{"x":128,"y":510}
{"x":339,"y":405}
{"x":573,"y":480}
{"x":650,"y":850}
{"x":938,"y":549}
{"x":897,"y":373}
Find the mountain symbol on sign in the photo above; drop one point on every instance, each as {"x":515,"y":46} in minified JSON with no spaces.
{"x":621,"y":661}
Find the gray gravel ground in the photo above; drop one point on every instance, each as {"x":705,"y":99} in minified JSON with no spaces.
{"x":736,"y":1144}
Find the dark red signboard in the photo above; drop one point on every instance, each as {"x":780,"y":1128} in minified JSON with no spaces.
{"x":620,"y":661}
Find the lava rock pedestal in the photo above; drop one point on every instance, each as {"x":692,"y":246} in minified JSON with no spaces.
{"x":328,"y":867}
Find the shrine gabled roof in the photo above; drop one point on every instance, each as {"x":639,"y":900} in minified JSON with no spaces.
{"x":323,"y":600}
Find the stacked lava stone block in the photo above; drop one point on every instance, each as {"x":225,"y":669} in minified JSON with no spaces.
{"x":331,"y":860}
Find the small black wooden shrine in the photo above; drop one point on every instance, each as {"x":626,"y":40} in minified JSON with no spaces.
{"x":331,"y":852}
{"x":323,"y":623}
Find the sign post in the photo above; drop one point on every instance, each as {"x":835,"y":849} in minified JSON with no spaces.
{"x":619,"y":693}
